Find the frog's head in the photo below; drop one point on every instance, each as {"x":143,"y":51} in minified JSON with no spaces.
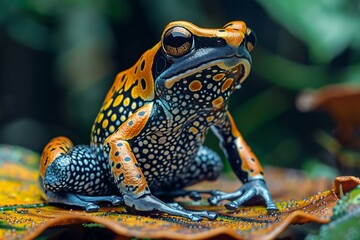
{"x":204,"y":65}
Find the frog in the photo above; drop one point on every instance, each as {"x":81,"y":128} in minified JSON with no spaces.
{"x":147,"y":139}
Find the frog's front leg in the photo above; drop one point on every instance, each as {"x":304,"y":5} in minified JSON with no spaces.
{"x":128,"y":175}
{"x":244,"y":164}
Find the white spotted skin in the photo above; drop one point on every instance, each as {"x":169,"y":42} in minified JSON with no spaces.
{"x":82,"y":171}
{"x":167,"y":148}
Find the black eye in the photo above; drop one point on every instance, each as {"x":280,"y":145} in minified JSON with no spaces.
{"x":250,"y":39}
{"x":177,"y":41}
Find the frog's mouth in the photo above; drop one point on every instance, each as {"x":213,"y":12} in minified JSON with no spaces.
{"x":224,"y":64}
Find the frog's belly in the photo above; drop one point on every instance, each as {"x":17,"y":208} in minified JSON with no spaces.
{"x":163,"y":158}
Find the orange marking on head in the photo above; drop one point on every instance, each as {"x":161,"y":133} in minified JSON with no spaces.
{"x":55,"y":148}
{"x":219,"y":76}
{"x":193,"y":130}
{"x":234,"y":38}
{"x":195,"y":85}
{"x":237,"y":31}
{"x":217,"y":103}
{"x":227,"y":84}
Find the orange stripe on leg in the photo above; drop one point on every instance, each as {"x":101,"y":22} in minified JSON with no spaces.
{"x":249,"y":162}
{"x":126,"y":170}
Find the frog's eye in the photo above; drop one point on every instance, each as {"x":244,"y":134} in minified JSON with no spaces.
{"x":250,"y":39}
{"x":177,"y":41}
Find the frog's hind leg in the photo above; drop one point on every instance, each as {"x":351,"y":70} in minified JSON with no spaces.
{"x":74,"y":175}
{"x":207,"y":165}
{"x":67,"y":198}
{"x":88,"y":203}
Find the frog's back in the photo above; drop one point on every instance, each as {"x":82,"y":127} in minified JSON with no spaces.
{"x":131,"y":89}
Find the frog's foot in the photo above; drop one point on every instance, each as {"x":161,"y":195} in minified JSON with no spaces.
{"x":250,"y":191}
{"x":71,"y":200}
{"x":113,"y":199}
{"x":88,"y":203}
{"x":150,"y":204}
{"x":206,"y":214}
{"x":193,"y":194}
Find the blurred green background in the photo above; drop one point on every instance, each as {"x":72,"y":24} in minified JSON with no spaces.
{"x":58,"y":59}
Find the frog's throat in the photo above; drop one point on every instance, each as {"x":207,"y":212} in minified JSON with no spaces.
{"x":220,"y":63}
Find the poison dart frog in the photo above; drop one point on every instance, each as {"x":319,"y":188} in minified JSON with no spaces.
{"x":146,"y":141}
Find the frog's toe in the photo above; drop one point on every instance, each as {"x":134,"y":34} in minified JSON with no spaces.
{"x":113,"y":199}
{"x":175,"y":205}
{"x":195,"y":196}
{"x":195,"y":218}
{"x":91,"y":207}
{"x":213,"y":200}
{"x":150,"y":204}
{"x":272,"y":207}
{"x":243,"y":198}
{"x":202,"y":214}
{"x":231,"y":206}
{"x":212,"y":215}
{"x":116,"y":200}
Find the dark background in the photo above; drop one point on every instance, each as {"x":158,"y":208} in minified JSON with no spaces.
{"x":58,"y":58}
